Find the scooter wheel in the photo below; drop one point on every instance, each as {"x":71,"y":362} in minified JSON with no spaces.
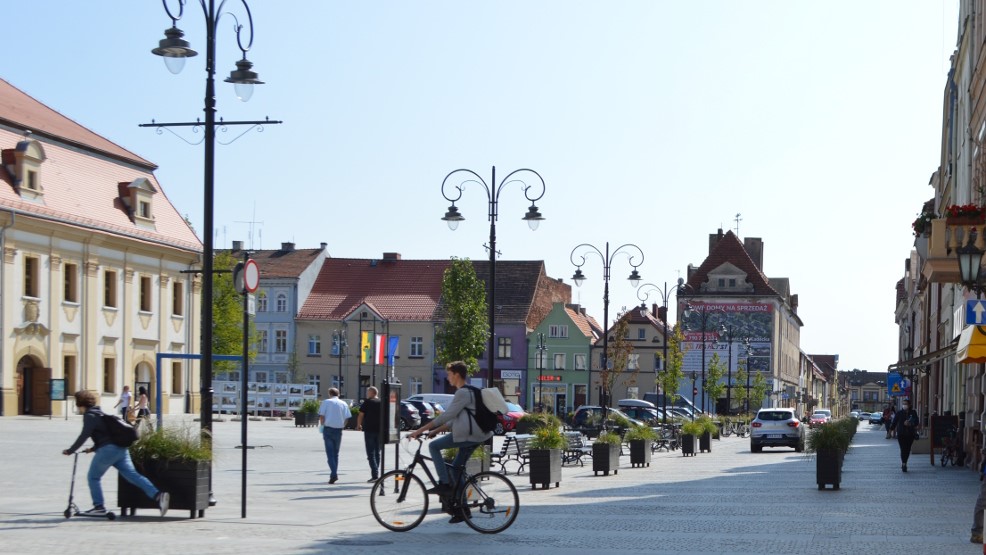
{"x":68,"y":513}
{"x":111,"y":516}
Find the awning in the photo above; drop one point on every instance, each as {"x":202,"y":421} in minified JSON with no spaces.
{"x":920,"y":362}
{"x":972,"y":346}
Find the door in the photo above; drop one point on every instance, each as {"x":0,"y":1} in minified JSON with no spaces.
{"x":560,"y":408}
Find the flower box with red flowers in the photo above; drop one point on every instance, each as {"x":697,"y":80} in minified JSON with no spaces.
{"x":965,"y":214}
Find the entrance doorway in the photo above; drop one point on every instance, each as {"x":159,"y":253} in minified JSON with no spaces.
{"x":33,"y":382}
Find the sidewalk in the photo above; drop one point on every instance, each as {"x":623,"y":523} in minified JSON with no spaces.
{"x":729,"y":501}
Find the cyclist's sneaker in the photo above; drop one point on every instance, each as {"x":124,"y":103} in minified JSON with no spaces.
{"x":98,"y":510}
{"x":459,"y":515}
{"x":441,"y":489}
{"x":976,"y":538}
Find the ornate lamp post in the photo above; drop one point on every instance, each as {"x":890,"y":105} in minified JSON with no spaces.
{"x":632,"y":252}
{"x":339,"y":348}
{"x":174,"y":49}
{"x":541,"y":348}
{"x":453,"y":217}
{"x":729,"y":333}
{"x":643,"y":293}
{"x":970,"y":265}
{"x":703,"y":317}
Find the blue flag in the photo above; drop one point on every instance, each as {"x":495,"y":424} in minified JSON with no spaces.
{"x":392,"y":349}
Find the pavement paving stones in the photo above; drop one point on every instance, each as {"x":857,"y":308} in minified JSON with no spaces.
{"x":729,"y":501}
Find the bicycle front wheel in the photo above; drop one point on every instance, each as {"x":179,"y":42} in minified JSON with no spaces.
{"x":490,"y":502}
{"x":399,"y":501}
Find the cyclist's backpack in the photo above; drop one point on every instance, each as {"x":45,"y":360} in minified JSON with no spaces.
{"x":487,"y":401}
{"x":120,"y":431}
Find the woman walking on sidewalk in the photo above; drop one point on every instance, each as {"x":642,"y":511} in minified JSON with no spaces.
{"x":906,"y":424}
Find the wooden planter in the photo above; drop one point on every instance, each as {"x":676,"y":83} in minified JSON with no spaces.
{"x":475,"y":466}
{"x":705,"y":442}
{"x":605,"y":458}
{"x":688,"y":445}
{"x":186,"y":482}
{"x":640,"y":453}
{"x":828,"y":468}
{"x":545,"y":467}
{"x":305,"y":419}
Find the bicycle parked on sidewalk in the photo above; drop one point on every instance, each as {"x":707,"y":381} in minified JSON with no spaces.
{"x":950,"y":447}
{"x":487,"y":501}
{"x":741,"y":429}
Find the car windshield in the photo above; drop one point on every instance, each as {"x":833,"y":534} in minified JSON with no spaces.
{"x":514,"y":408}
{"x":774,"y":415}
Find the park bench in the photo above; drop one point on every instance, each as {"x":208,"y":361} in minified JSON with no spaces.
{"x":519,"y":452}
{"x":503,"y":456}
{"x":576,"y":448}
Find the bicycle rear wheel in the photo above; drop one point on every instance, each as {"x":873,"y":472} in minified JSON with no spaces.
{"x":490,"y":502}
{"x":399,"y":501}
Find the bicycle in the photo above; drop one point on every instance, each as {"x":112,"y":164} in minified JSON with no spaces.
{"x":949,"y":447}
{"x":487,"y":501}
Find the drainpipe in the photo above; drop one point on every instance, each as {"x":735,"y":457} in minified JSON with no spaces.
{"x":3,"y":247}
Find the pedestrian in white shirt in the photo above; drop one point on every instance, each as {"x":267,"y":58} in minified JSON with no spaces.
{"x":332,"y":416}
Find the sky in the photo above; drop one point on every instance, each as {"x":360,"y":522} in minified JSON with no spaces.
{"x":652,"y":123}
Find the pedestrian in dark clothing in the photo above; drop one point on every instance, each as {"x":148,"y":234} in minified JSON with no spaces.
{"x":906,"y":425}
{"x":888,"y":415}
{"x":368,"y":421}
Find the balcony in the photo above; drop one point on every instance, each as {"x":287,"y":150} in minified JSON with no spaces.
{"x":941,"y":264}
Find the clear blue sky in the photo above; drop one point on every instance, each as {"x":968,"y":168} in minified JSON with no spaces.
{"x":652,"y":122}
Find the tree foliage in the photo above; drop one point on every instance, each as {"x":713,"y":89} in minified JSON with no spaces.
{"x":740,"y":393}
{"x":464,"y":333}
{"x":758,"y":389}
{"x":714,"y":373}
{"x":618,"y":357}
{"x":227,"y":316}
{"x":670,"y":377}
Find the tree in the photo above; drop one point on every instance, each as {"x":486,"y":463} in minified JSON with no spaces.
{"x":740,"y":392}
{"x":713,"y":378}
{"x":758,"y":389}
{"x":464,"y":331}
{"x":227,"y":316}
{"x":670,"y":377}
{"x":618,"y":357}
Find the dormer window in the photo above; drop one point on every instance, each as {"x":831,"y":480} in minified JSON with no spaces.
{"x":138,"y":197}
{"x":24,"y":163}
{"x":728,"y":278}
{"x":32,"y":180}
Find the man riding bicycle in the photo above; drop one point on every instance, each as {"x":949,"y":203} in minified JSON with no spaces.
{"x":466,"y":433}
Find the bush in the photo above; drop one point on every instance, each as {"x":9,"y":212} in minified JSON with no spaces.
{"x":541,"y":420}
{"x":637,"y":433}
{"x":707,"y":424}
{"x":171,"y":444}
{"x":693,"y":428}
{"x":548,"y":437}
{"x":831,"y":436}
{"x":609,"y":438}
{"x":309,"y":406}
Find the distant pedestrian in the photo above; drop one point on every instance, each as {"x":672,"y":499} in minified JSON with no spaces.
{"x":107,"y":454}
{"x":906,"y":425}
{"x":332,"y":416}
{"x":977,"y":512}
{"x":888,"y":415}
{"x":368,"y":422}
{"x":123,"y":405}
{"x":143,"y":409}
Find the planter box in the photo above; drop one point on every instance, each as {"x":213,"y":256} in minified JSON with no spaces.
{"x":545,"y":467}
{"x":605,"y":458}
{"x":640,"y":453}
{"x":475,"y":466}
{"x":688,"y":445}
{"x":305,"y":419}
{"x":705,"y":442}
{"x":828,"y":468}
{"x":186,"y":482}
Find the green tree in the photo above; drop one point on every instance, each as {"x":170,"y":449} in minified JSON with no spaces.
{"x":464,"y":330}
{"x":758,"y":390}
{"x":618,"y":357}
{"x":740,"y":392}
{"x":714,"y":385}
{"x":670,"y":377}
{"x":227,"y":316}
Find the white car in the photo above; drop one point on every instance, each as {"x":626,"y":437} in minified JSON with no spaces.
{"x":777,"y":427}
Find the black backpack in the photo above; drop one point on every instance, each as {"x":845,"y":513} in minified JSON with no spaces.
{"x":484,"y":417}
{"x":119,"y":430}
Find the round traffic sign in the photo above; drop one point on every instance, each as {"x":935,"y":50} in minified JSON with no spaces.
{"x":251,"y":275}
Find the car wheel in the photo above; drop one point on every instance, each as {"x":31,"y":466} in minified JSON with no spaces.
{"x":499,"y":429}
{"x":756,"y":448}
{"x":403,"y":425}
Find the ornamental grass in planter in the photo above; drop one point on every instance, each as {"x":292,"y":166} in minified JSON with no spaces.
{"x":640,"y":439}
{"x":544,"y":458}
{"x":176,"y":460}
{"x":478,"y":461}
{"x":829,"y":444}
{"x":705,"y":437}
{"x":606,"y":453}
{"x":690,"y":432}
{"x":307,"y":414}
{"x":534,"y":420}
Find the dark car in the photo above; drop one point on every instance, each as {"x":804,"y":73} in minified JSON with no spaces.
{"x":410,"y":418}
{"x":426,"y":410}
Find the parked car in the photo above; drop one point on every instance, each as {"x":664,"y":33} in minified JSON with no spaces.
{"x":776,"y":427}
{"x":817,"y":419}
{"x":410,"y":418}
{"x":507,"y":422}
{"x":876,"y":418}
{"x":444,"y":399}
{"x":582,"y":415}
{"x":650,"y":416}
{"x":855,"y":414}
{"x":826,"y":412}
{"x":426,"y":410}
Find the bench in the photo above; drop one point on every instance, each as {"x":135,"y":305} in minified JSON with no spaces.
{"x":503,"y":456}
{"x":576,"y":448}
{"x":519,"y":452}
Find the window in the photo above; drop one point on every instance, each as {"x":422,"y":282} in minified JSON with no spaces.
{"x":71,"y":283}
{"x":109,"y":375}
{"x":314,"y":345}
{"x":633,"y":392}
{"x":580,"y":361}
{"x":338,"y":381}
{"x":109,"y":289}
{"x":503,"y":347}
{"x":176,"y":378}
{"x":416,"y":386}
{"x":417,"y":347}
{"x":280,"y":377}
{"x":280,"y":341}
{"x":144,"y":209}
{"x":558,"y":331}
{"x":658,"y":362}
{"x":262,"y":340}
{"x":559,"y":361}
{"x":641,"y":334}
{"x":177,"y":298}
{"x":282,"y":302}
{"x":145,"y":293}
{"x":31,"y":268}
{"x":338,"y":343}
{"x":68,"y":370}
{"x":260,"y":376}
{"x":32,"y":180}
{"x":262,"y":302}
{"x":633,"y":362}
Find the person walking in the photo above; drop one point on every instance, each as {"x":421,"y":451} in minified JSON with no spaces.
{"x":124,"y":403}
{"x":977,"y":511}
{"x":466,"y":433}
{"x":108,"y":454}
{"x":332,"y":417}
{"x":888,"y":414}
{"x":368,"y":421}
{"x":906,"y":425}
{"x":143,"y":410}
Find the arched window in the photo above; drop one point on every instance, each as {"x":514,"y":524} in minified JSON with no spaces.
{"x":282,"y":302}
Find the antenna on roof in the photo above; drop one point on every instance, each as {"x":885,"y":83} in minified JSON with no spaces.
{"x":487,"y":247}
{"x":252,"y":223}
{"x":738,"y":220}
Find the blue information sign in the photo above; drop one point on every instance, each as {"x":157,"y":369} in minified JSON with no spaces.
{"x":975,"y":312}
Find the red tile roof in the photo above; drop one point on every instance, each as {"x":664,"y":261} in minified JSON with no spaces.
{"x":281,"y":263}
{"x":586,"y":325}
{"x":78,"y":179}
{"x":400,"y":290}
{"x":729,"y":249}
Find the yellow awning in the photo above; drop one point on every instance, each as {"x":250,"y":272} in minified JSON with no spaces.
{"x":972,"y":346}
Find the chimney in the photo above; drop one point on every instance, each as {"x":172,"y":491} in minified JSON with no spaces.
{"x":714,"y":239}
{"x":794,"y":304}
{"x":754,"y":248}
{"x":323,"y":245}
{"x":391,"y":256}
{"x":237,"y":245}
{"x":662,"y":313}
{"x":287,"y":247}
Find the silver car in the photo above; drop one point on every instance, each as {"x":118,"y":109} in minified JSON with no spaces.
{"x":777,"y":427}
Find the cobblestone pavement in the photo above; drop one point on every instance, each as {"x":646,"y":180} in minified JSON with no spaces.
{"x":724,"y":502}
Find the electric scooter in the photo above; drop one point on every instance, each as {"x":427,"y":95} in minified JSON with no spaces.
{"x":73,"y":509}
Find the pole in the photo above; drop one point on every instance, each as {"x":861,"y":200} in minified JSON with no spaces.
{"x":604,"y":391}
{"x":703,"y":359}
{"x":243,"y":393}
{"x":208,"y":231}
{"x":339,"y":354}
{"x":729,"y":370}
{"x":493,"y":199}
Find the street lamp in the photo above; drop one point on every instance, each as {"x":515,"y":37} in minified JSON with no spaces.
{"x":970,"y":265}
{"x":704,"y":314}
{"x":729,"y":333}
{"x":339,"y":346}
{"x":579,"y":278}
{"x":541,"y":348}
{"x":175,"y":49}
{"x":453,"y":217}
{"x":665,"y":295}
